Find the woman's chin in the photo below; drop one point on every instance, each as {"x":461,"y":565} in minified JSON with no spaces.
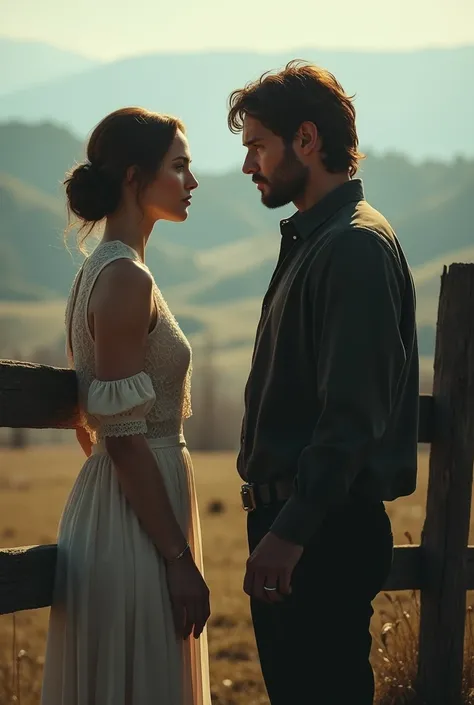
{"x":181,"y":217}
{"x":178,"y":216}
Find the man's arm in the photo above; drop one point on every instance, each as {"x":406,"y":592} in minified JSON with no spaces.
{"x":361,"y":357}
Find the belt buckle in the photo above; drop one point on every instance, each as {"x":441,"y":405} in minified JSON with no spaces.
{"x":247,"y":494}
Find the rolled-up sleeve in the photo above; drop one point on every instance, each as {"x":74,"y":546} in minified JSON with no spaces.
{"x":360,"y":357}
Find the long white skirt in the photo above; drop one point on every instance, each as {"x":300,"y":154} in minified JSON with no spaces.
{"x":111,"y":638}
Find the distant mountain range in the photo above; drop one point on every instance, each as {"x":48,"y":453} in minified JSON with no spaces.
{"x":24,"y":64}
{"x":411,"y":102}
{"x":213,"y":269}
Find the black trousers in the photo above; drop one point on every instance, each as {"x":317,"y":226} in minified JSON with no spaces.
{"x":314,"y":647}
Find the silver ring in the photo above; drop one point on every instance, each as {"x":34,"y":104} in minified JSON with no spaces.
{"x":269,"y":589}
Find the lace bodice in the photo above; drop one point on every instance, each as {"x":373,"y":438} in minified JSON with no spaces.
{"x":155,"y":401}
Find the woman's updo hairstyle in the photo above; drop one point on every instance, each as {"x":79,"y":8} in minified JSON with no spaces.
{"x":129,"y":137}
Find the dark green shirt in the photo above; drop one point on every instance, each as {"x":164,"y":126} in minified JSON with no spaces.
{"x":332,"y":396}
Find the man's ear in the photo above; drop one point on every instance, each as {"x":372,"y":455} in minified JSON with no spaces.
{"x":307,"y":138}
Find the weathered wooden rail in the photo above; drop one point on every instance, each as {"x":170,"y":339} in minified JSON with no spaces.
{"x":441,"y":568}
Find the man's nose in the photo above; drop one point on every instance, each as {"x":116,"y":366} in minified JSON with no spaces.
{"x":249,"y":166}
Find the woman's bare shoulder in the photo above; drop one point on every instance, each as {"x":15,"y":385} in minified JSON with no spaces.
{"x":125,"y":285}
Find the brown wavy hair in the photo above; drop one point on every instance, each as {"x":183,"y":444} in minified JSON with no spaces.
{"x":302,"y":92}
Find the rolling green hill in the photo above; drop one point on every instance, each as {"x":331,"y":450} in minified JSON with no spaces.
{"x":31,"y":230}
{"x":39,"y":154}
{"x":441,"y":222}
{"x":213,"y":269}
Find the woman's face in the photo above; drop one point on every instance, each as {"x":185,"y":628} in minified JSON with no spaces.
{"x":168,"y":197}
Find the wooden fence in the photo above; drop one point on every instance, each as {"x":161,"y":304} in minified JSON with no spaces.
{"x":441,"y":568}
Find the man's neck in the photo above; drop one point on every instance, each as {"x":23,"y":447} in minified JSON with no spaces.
{"x":318,"y":188}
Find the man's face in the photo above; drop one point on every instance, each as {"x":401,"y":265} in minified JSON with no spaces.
{"x":280,"y":176}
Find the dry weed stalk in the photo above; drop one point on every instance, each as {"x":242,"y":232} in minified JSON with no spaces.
{"x":20,"y":676}
{"x":396,"y":653}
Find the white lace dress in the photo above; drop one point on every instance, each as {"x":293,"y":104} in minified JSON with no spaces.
{"x":111,"y":638}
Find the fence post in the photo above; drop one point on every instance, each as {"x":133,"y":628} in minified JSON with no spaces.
{"x":446,"y":528}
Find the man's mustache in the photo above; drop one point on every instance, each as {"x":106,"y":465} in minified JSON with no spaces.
{"x":257,"y":179}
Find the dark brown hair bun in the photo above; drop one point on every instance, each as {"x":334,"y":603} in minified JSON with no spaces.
{"x":92,"y":195}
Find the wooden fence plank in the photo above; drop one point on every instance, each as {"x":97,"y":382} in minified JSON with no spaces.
{"x":26,"y":577}
{"x":41,"y":396}
{"x":37,"y":396}
{"x":446,"y":528}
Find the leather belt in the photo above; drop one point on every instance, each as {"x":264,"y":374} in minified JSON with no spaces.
{"x":254,"y":495}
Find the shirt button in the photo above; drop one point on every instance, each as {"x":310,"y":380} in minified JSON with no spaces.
{"x":295,"y":237}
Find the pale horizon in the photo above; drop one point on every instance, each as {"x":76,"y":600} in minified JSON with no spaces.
{"x":102,"y":31}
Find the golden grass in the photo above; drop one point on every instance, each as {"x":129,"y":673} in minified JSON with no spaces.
{"x":34,"y":485}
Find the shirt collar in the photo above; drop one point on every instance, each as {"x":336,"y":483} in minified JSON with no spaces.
{"x":304,"y":223}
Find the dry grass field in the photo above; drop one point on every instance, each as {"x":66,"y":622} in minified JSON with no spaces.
{"x":33,"y":488}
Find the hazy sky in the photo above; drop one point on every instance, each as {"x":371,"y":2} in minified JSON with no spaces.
{"x":112,"y":28}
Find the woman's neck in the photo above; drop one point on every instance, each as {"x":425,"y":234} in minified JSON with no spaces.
{"x":130,"y":228}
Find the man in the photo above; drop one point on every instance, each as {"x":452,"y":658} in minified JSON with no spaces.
{"x":331,"y":403}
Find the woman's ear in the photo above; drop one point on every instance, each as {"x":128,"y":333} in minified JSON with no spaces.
{"x":130,"y":175}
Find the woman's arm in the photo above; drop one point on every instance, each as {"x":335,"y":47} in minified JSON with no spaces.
{"x":121,"y":306}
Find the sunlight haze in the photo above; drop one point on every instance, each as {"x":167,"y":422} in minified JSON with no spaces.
{"x":107,"y":30}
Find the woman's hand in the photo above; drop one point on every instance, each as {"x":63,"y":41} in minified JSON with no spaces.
{"x":189,"y":596}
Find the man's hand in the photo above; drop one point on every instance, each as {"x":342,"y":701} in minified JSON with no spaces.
{"x":271,"y":564}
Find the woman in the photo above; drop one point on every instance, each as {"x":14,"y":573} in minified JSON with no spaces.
{"x":128,"y":619}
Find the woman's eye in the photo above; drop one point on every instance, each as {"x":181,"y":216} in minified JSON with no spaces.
{"x":180,"y":167}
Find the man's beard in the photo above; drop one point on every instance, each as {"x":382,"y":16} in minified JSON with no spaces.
{"x":287,"y":183}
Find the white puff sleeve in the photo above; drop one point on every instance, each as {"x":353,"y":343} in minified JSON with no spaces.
{"x":120,"y":406}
